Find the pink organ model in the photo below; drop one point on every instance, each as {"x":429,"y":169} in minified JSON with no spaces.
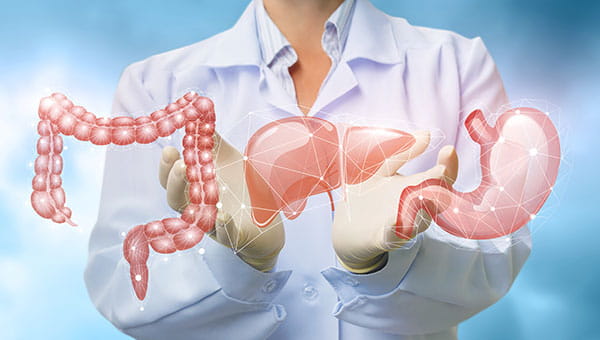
{"x":58,"y":115}
{"x":519,"y":159}
{"x":291,"y":159}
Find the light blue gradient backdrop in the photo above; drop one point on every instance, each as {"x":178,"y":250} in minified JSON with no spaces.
{"x":546,"y":50}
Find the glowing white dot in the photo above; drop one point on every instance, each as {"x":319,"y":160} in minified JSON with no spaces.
{"x":551,"y":188}
{"x":294,"y":213}
{"x":492,"y":208}
{"x":201,"y":251}
{"x":501,"y":188}
{"x":30,"y":164}
{"x":518,"y":112}
{"x":133,"y":248}
{"x":455,"y":210}
{"x":142,"y":309}
{"x":190,"y":236}
{"x":547,"y":113}
{"x":245,"y":158}
{"x":421,"y":197}
{"x":321,"y":178}
{"x":243,"y":206}
{"x":223,"y":188}
{"x":501,"y":139}
{"x":533,"y":152}
{"x":532,"y":216}
{"x":66,"y":147}
{"x":138,"y":277}
{"x":310,"y":135}
{"x":219,"y":205}
{"x":166,"y":259}
{"x":123,"y":234}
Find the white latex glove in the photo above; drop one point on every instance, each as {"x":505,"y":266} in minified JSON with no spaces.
{"x":234,"y":228}
{"x":363,"y":226}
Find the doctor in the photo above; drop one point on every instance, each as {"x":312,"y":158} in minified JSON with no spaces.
{"x":306,"y":278}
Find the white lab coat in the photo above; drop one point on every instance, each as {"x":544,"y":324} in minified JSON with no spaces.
{"x":409,"y":77}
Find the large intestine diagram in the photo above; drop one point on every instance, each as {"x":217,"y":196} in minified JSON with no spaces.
{"x":288,"y":160}
{"x":59,"y":116}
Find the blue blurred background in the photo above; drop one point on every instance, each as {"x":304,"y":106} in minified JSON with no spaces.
{"x":545,"y":50}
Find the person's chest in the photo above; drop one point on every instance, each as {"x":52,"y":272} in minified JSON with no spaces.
{"x":421,"y":93}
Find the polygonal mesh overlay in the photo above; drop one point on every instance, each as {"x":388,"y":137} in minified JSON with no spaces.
{"x":287,"y":160}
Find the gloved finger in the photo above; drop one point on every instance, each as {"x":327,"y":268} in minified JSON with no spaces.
{"x":448,"y":158}
{"x":395,"y":162}
{"x":167,"y":159}
{"x":226,"y":231}
{"x":422,"y":221}
{"x":176,"y":186}
{"x":437,"y":171}
{"x":394,"y":237}
{"x":224,"y":153}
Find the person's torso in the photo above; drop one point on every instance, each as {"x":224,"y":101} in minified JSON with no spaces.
{"x":421,"y":91}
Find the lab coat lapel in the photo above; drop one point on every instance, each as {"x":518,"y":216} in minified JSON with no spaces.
{"x":371,"y":38}
{"x":276,"y":96}
{"x":239,"y":47}
{"x":341,"y":81}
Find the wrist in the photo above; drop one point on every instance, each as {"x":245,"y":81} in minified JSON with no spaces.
{"x":261,"y":263}
{"x":365,"y":267}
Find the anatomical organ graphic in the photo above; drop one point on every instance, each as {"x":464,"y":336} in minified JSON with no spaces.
{"x":291,"y":159}
{"x":58,"y":115}
{"x":519,"y":160}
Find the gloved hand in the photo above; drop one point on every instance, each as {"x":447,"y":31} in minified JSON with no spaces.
{"x":363,"y":226}
{"x":259,"y":247}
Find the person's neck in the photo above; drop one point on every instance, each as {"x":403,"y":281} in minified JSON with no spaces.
{"x":301,"y":21}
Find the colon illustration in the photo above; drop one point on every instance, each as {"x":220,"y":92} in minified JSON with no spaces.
{"x":288,"y":160}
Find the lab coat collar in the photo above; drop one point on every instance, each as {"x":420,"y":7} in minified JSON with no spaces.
{"x":238,"y":46}
{"x":371,"y":36}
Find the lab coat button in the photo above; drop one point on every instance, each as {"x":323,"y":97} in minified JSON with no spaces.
{"x":309,"y":292}
{"x":269,"y":286}
{"x":350,"y":281}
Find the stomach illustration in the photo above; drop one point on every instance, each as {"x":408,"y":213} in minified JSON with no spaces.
{"x":519,"y":159}
{"x":289,"y":160}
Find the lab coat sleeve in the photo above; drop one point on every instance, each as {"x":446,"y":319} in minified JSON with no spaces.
{"x":206,"y":292}
{"x":438,"y":280}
